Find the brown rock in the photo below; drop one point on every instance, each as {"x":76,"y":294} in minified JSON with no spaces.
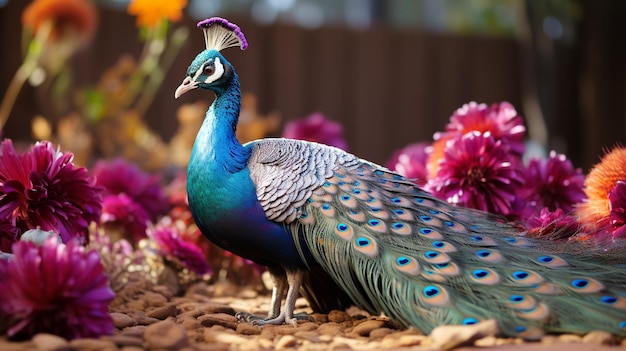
{"x":223,"y":319}
{"x":154,"y":299}
{"x":166,"y":335}
{"x":338,"y":316}
{"x":447,"y":337}
{"x":311,"y":336}
{"x":330,"y":329}
{"x":188,"y":323}
{"x":319,"y":318}
{"x":286,"y":341}
{"x":570,"y":338}
{"x":49,"y":342}
{"x":380,"y":333}
{"x":137,"y":331}
{"x":121,"y":320}
{"x":248,"y":329}
{"x":365,"y":328}
{"x":599,"y":337}
{"x":147,"y":320}
{"x":122,"y":340}
{"x":6,"y":345}
{"x":132,"y":348}
{"x":163,"y":312}
{"x":89,"y":344}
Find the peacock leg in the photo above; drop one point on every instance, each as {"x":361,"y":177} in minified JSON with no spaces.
{"x":279,"y":290}
{"x":294,"y":281}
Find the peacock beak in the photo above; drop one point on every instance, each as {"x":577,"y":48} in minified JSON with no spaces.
{"x":184,"y":87}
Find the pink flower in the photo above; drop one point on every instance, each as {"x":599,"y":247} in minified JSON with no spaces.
{"x":43,"y":189}
{"x":118,"y":176}
{"x":120,"y":212}
{"x":55,"y":288}
{"x":552,"y":225}
{"x":317,"y":128}
{"x":478,"y":171}
{"x":175,"y":248}
{"x":617,"y":204}
{"x":552,"y":183}
{"x":501,"y":120}
{"x":410,"y":161}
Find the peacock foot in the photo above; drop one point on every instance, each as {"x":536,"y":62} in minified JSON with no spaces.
{"x":279,"y":320}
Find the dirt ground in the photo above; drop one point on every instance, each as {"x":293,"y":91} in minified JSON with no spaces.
{"x":149,"y":317}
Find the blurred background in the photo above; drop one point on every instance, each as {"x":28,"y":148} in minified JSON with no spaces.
{"x":390,"y":71}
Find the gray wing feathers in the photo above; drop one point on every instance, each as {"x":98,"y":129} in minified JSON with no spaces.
{"x":285,"y":173}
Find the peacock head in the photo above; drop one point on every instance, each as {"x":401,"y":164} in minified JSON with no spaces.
{"x":210,"y":70}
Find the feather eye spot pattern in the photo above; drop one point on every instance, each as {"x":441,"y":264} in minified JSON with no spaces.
{"x":401,"y":228}
{"x":436,"y":296}
{"x":443,"y":246}
{"x":580,"y":283}
{"x":328,"y":210}
{"x":540,"y":312}
{"x":483,"y":253}
{"x":407,"y":265}
{"x":622,"y":325}
{"x":608,"y":299}
{"x":551,"y":261}
{"x":526,"y":278}
{"x":366,"y":246}
{"x":521,"y":302}
{"x":469,"y":321}
{"x":485,"y":276}
{"x":431,"y":254}
{"x":435,"y":212}
{"x":425,"y":218}
{"x":517,"y":298}
{"x":344,"y":231}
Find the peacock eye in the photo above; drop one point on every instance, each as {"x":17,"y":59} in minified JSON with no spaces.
{"x":209,"y":69}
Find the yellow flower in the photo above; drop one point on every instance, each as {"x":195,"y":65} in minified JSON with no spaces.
{"x":75,"y":17}
{"x":150,"y":12}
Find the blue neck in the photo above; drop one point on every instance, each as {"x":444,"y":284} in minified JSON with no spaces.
{"x":216,"y":146}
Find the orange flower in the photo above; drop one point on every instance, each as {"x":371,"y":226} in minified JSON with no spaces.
{"x":150,"y":12}
{"x":75,"y":17}
{"x":601,"y":180}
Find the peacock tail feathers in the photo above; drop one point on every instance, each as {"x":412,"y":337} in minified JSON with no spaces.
{"x":394,"y":248}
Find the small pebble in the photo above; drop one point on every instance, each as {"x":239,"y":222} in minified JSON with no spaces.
{"x":121,"y":320}
{"x":380,"y":333}
{"x":49,"y":342}
{"x":447,"y":337}
{"x":338,"y":316}
{"x":223,"y":319}
{"x":330,"y":329}
{"x":93,"y":344}
{"x":122,"y":340}
{"x":599,"y":337}
{"x":570,"y":338}
{"x":248,"y":329}
{"x":286,"y":341}
{"x":163,"y":312}
{"x":365,"y":328}
{"x":166,"y":335}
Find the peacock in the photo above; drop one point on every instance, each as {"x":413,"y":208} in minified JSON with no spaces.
{"x":344,"y":231}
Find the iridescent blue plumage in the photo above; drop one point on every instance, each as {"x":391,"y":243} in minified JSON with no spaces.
{"x":349,"y":231}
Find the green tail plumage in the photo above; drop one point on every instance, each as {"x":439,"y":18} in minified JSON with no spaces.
{"x":395,"y":248}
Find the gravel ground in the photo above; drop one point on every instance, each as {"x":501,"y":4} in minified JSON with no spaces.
{"x":150,"y":317}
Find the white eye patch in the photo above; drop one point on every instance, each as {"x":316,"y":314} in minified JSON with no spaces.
{"x":219,"y":70}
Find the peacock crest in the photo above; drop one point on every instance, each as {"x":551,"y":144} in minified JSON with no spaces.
{"x":220,"y":34}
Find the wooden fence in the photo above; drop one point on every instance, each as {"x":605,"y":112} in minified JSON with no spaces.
{"x":388,"y":87}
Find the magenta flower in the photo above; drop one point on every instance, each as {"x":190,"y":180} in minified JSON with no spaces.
{"x":55,"y":288}
{"x":410,"y":161}
{"x":43,"y":189}
{"x":617,"y":204}
{"x":501,"y":120}
{"x":120,"y":212}
{"x":478,"y":171}
{"x":552,"y":183}
{"x":174,"y":248}
{"x":118,"y":176}
{"x":552,"y":225}
{"x":316,"y":127}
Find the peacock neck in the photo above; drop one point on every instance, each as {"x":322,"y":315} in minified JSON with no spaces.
{"x":216,"y":145}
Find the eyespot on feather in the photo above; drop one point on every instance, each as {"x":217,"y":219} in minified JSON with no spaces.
{"x":407,"y":265}
{"x":327,"y":210}
{"x":586,"y":285}
{"x":365,"y":245}
{"x":344,"y":231}
{"x":538,"y":313}
{"x":522,"y":302}
{"x":526,"y":278}
{"x":490,"y":256}
{"x":435,"y":295}
{"x":552,"y":261}
{"x":401,"y":228}
{"x":485,"y":276}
